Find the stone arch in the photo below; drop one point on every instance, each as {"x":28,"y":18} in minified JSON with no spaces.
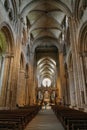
{"x":83,"y":38}
{"x":46,"y":63}
{"x":6,"y":29}
{"x":50,"y":59}
{"x":45,"y":41}
{"x":28,"y":7}
{"x":7,"y":64}
{"x":80,"y":6}
{"x":82,"y":49}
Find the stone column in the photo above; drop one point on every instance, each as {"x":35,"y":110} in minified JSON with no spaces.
{"x":59,"y":89}
{"x":2,"y":83}
{"x":21,"y":88}
{"x":34,"y":90}
{"x":15,"y":74}
{"x":9,"y":89}
{"x":31,"y":78}
{"x":6,"y":81}
{"x":72,"y":88}
{"x":83,"y":79}
{"x":62,"y":78}
{"x":1,"y":79}
{"x":72,"y":26}
{"x":26,"y":89}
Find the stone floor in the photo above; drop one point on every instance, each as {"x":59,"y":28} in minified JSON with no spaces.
{"x":45,"y":120}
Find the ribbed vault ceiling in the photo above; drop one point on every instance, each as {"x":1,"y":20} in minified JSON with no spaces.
{"x":46,"y":22}
{"x":46,"y":68}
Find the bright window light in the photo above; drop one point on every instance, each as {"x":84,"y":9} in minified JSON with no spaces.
{"x":46,"y":82}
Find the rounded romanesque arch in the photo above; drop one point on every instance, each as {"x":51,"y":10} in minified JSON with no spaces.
{"x":7,"y":31}
{"x":6,"y":63}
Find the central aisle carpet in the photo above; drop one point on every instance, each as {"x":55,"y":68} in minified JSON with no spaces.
{"x":45,"y":120}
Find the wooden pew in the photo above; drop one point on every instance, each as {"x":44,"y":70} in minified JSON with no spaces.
{"x":17,"y":119}
{"x":9,"y":125}
{"x":71,"y":123}
{"x":70,"y":118}
{"x":79,"y":127}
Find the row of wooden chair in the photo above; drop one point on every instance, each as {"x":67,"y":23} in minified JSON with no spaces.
{"x":70,"y":118}
{"x":17,"y":119}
